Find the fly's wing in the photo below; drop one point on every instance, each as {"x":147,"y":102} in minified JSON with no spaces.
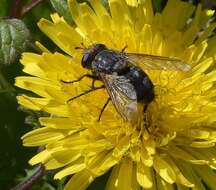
{"x":123,"y":96}
{"x":154,"y":62}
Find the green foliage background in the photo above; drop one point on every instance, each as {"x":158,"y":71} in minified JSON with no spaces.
{"x":16,"y":36}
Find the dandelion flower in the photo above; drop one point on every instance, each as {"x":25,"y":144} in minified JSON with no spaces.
{"x":178,"y":151}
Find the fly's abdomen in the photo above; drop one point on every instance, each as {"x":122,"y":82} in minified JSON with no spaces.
{"x":142,"y":84}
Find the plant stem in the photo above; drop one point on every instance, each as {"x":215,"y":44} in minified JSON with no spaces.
{"x":16,"y":8}
{"x":27,"y":8}
{"x":31,"y":180}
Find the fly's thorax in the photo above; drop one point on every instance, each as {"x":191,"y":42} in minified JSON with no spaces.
{"x":108,"y":61}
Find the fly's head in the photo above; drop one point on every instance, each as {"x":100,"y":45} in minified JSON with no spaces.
{"x":90,"y":53}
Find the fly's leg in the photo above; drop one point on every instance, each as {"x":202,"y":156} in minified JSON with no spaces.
{"x":103,"y":108}
{"x":124,"y":48}
{"x":80,"y":78}
{"x":93,"y":83}
{"x":145,"y":118}
{"x":81,"y":47}
{"x":94,"y":79}
{"x":86,"y":92}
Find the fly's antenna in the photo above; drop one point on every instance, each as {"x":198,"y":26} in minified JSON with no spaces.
{"x":81,"y":47}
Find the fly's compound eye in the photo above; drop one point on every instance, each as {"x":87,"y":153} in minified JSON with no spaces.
{"x":86,"y":61}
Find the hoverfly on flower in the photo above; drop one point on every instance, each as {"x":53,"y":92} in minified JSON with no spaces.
{"x":129,"y":87}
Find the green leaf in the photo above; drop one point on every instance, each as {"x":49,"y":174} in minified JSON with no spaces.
{"x":61,"y":183}
{"x":4,"y":7}
{"x":62,"y":8}
{"x":5,"y":86}
{"x":13,"y":156}
{"x":14,"y":39}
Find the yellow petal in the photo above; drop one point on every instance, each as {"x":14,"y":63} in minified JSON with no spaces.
{"x":28,"y":103}
{"x":125,"y":175}
{"x":79,"y":181}
{"x":71,"y":169}
{"x":144,"y":175}
{"x":207,"y":174}
{"x":164,"y":170}
{"x":35,"y":84}
{"x":53,"y":30}
{"x":42,"y":47}
{"x":180,"y":178}
{"x":66,"y":155}
{"x":122,"y":147}
{"x":101,"y":163}
{"x":60,"y":123}
{"x":161,"y":184}
{"x":42,"y":136}
{"x":31,"y":64}
{"x":179,"y":152}
{"x":41,"y":157}
{"x":112,"y":181}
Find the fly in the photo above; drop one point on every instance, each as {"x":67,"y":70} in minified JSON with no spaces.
{"x":123,"y":75}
